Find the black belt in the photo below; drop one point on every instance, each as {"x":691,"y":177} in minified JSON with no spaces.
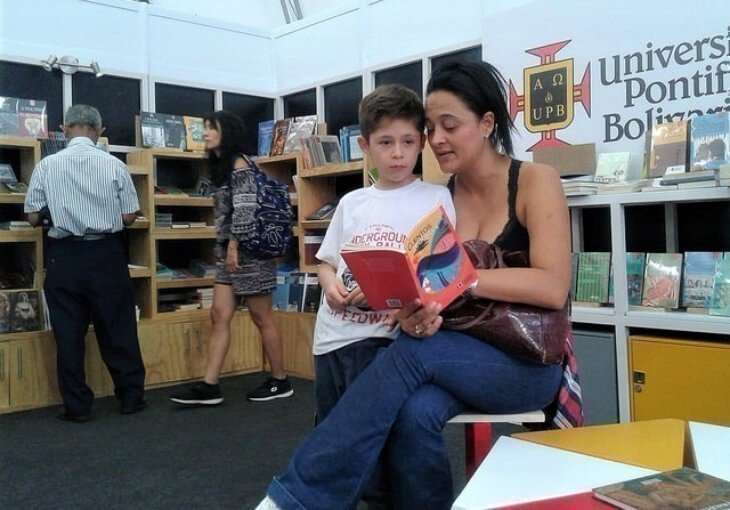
{"x":90,"y":237}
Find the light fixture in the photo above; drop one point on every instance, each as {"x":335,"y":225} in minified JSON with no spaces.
{"x":69,"y":65}
{"x":49,"y":62}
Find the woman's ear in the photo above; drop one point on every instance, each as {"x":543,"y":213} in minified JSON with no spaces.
{"x":487,"y":124}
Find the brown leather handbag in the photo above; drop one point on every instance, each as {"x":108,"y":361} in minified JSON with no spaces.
{"x":529,"y":332}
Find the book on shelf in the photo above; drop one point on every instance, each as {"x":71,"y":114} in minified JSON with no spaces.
{"x":194,"y":133}
{"x":32,"y":118}
{"x":7,"y":175}
{"x":16,"y":225}
{"x":325,"y":211}
{"x":312,"y":296}
{"x":331,"y":149}
{"x":621,"y":187}
{"x":635,"y":276}
{"x":612,"y":167}
{"x":16,"y":188}
{"x":25,"y":312}
{"x":709,"y":183}
{"x":266,"y":133}
{"x":296,"y":291}
{"x":662,"y":280}
{"x":312,"y":242}
{"x":170,"y":190}
{"x":668,"y":148}
{"x":278,"y":141}
{"x":683,"y":488}
{"x":593,"y":277}
{"x":9,"y":281}
{"x":300,"y":127}
{"x":280,"y":296}
{"x":203,"y":187}
{"x":685,"y":177}
{"x":55,"y":142}
{"x":710,"y":141}
{"x":354,"y":152}
{"x":698,"y":278}
{"x":152,"y":129}
{"x":9,"y":116}
{"x":180,"y":224}
{"x":720,"y":303}
{"x":432,"y":266}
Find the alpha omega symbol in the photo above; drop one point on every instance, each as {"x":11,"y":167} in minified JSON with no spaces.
{"x":550,"y":95}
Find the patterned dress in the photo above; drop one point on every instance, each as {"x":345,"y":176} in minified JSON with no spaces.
{"x":234,"y":209}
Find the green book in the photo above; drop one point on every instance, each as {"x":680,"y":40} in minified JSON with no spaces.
{"x":593,"y":277}
{"x":635,"y":276}
{"x":720,"y":303}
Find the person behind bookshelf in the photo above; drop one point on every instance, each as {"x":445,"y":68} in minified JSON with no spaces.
{"x":90,"y":197}
{"x":428,"y":375}
{"x":239,"y":276}
{"x":348,"y":334}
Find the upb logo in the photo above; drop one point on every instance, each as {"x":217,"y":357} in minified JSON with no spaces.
{"x":550,"y":95}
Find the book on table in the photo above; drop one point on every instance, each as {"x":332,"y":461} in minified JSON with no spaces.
{"x":432,"y":266}
{"x":677,"y":489}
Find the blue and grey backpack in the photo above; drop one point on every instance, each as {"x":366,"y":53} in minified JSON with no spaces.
{"x":271,"y":233}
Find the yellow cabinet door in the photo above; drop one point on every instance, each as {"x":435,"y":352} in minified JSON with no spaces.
{"x":683,"y":379}
{"x":33,"y":379}
{"x":244,"y":350}
{"x":4,"y":375}
{"x":297,"y":331}
{"x":167,"y":351}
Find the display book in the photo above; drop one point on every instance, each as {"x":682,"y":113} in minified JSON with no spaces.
{"x":172,"y":131}
{"x":676,"y":489}
{"x":23,"y":117}
{"x":9,"y":183}
{"x":277,"y":137}
{"x":20,"y":311}
{"x":432,"y":266}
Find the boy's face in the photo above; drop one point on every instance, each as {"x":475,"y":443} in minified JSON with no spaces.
{"x":394,"y":148}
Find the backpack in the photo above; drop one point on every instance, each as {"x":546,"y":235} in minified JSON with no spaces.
{"x":270,"y":234}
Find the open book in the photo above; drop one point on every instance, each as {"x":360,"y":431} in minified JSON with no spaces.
{"x":433,"y":266}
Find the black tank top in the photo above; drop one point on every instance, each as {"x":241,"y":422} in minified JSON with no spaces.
{"x":514,"y":236}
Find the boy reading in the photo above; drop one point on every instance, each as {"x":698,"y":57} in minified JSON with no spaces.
{"x":348,"y":333}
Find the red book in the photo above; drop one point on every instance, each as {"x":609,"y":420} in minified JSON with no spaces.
{"x":582,"y":501}
{"x":433,"y":266}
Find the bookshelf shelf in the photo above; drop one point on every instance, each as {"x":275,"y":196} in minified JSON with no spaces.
{"x":20,"y":236}
{"x":137,"y":170}
{"x":590,"y":315}
{"x":12,"y":198}
{"x":179,"y":283}
{"x":355,"y":167}
{"x":655,"y":197}
{"x":183,"y":201}
{"x":314,"y":224}
{"x":140,"y":273}
{"x":291,"y":157}
{"x":139,"y":225}
{"x":16,"y":142}
{"x":678,"y":321}
{"x":165,"y":233}
{"x":163,"y":153}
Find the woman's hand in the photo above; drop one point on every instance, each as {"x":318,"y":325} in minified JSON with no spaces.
{"x":336,"y":295}
{"x":357,"y":298}
{"x":232,"y":257}
{"x":416,"y":320}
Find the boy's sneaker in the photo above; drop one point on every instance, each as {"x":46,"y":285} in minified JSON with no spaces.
{"x":200,"y":393}
{"x":271,"y":389}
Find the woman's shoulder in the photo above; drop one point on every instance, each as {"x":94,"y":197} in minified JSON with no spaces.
{"x":537,"y":174}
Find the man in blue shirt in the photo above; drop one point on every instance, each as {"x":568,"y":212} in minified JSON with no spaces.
{"x":90,"y":197}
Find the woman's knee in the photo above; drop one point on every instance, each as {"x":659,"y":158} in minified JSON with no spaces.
{"x":421,"y":414}
{"x":220,"y":315}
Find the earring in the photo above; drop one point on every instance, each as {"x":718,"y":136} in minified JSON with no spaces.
{"x":487,"y":135}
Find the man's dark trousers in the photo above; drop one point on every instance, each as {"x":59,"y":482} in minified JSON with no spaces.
{"x":89,"y":280}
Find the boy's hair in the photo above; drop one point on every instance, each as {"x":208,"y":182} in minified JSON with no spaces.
{"x":481,"y":87}
{"x":390,"y":102}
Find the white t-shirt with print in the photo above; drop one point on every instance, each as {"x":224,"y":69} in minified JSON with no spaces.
{"x":373,"y":217}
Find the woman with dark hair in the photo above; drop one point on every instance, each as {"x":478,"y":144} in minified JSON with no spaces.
{"x":430,"y":374}
{"x":238,"y":275}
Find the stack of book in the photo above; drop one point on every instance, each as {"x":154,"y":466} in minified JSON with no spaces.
{"x":163,"y":219}
{"x":15,"y":225}
{"x":205,"y":297}
{"x":582,"y":185}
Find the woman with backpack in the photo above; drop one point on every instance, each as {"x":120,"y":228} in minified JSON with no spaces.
{"x":239,"y":275}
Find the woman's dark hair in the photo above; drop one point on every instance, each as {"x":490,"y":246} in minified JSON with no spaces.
{"x":481,"y":87}
{"x":232,"y":133}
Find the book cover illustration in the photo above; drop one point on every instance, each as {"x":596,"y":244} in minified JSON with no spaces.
{"x":174,"y":128}
{"x":612,"y":167}
{"x":312,"y":294}
{"x":9,"y":116}
{"x":266,"y":133}
{"x":720,"y":304}
{"x":301,"y":127}
{"x":433,"y":266}
{"x":25,"y":312}
{"x":635,"y":276}
{"x":331,"y":149}
{"x":152,"y":128}
{"x":699,"y":277}
{"x":668,"y":148}
{"x":4,"y":312}
{"x":194,"y":133}
{"x":325,"y":211}
{"x":17,"y":188}
{"x":32,"y":118}
{"x":593,"y":277}
{"x":7,"y":174}
{"x":710,"y":141}
{"x":296,"y":291}
{"x":662,"y":280}
{"x":678,"y":489}
{"x":281,"y":130}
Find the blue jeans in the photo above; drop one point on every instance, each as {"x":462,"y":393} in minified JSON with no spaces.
{"x":333,"y":464}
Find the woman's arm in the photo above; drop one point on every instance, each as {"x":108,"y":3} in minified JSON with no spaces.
{"x":545,"y":215}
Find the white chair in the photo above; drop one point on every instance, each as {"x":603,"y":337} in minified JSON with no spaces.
{"x":478,"y":432}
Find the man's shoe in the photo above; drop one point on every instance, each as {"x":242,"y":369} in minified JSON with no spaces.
{"x":136,"y":406}
{"x":199,"y":394}
{"x":77,"y":418}
{"x":271,"y":389}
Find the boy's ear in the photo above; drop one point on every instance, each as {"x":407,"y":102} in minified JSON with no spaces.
{"x":363,"y":143}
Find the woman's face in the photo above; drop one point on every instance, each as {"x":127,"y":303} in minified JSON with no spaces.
{"x":455,"y":133}
{"x":212,"y":136}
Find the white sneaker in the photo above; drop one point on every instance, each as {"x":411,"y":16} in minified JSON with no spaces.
{"x":268,"y":504}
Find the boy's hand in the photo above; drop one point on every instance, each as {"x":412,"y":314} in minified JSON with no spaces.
{"x":357,"y":298}
{"x":336,"y":295}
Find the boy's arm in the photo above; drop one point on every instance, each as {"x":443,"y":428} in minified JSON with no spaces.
{"x":334,"y":290}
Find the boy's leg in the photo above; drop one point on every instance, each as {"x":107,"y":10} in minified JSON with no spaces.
{"x":420,"y":475}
